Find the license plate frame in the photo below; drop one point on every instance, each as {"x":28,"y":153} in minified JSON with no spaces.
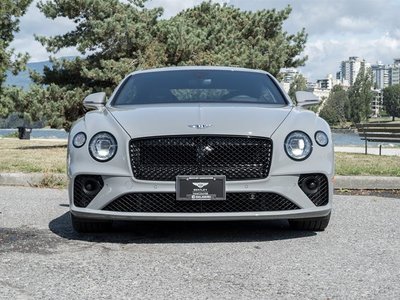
{"x":200,"y":187}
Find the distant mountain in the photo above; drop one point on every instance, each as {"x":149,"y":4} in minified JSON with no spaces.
{"x":22,"y":79}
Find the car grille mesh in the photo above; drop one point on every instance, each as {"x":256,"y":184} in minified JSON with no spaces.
{"x":321,"y":197}
{"x":167,"y":203}
{"x":163,"y":158}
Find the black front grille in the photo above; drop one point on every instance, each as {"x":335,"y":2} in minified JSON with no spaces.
{"x":321,"y":196}
{"x":163,"y":158}
{"x":167,"y":203}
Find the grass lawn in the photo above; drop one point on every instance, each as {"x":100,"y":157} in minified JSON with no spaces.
{"x":49,"y":156}
{"x":372,"y":165}
{"x":32,"y":156}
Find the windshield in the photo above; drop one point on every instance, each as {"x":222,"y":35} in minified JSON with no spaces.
{"x":188,"y":86}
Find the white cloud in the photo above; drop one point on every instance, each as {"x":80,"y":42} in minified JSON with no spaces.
{"x":326,"y":54}
{"x":337,"y":30}
{"x":172,"y":7}
{"x":37,"y":52}
{"x":355,"y":24}
{"x":395,"y":33}
{"x":34,"y":22}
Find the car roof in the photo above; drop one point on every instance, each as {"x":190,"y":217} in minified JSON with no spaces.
{"x":185,"y":68}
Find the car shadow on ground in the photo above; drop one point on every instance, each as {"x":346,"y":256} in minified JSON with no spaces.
{"x":182,"y":232}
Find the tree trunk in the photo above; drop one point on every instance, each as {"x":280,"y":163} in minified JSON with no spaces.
{"x":393,"y":118}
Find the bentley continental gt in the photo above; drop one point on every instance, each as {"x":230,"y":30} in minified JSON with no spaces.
{"x":200,"y":143}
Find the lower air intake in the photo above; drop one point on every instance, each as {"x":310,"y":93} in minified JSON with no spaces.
{"x":167,"y":203}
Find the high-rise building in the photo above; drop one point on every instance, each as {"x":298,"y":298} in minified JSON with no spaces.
{"x":394,"y":72}
{"x":376,"y":103}
{"x":289,"y":75}
{"x":326,"y":83}
{"x":349,"y":70}
{"x":380,"y":75}
{"x":322,"y":87}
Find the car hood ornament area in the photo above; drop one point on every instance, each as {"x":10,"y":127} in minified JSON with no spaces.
{"x":200,"y":126}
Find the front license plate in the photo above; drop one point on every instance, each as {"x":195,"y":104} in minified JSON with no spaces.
{"x":200,"y":188}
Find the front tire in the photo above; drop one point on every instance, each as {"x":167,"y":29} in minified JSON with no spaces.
{"x":311,"y":224}
{"x":87,"y":225}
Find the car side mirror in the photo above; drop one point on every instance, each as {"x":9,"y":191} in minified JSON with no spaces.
{"x":96,"y":100}
{"x":306,"y":99}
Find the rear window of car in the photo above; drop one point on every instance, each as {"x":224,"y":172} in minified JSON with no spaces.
{"x":188,"y":86}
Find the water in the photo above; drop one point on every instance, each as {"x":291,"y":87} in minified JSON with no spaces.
{"x":352,"y":139}
{"x":40,"y":133}
{"x":347,"y":139}
{"x":339,"y":139}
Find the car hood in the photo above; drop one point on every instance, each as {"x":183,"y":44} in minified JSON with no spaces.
{"x":181,"y":119}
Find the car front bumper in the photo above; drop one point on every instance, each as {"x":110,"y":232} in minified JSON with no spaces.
{"x":286,"y":186}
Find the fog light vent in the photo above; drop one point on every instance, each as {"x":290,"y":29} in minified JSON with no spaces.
{"x":316,"y":187}
{"x":86,"y":188}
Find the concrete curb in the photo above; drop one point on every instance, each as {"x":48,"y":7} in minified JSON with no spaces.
{"x":341,"y":182}
{"x":29,"y":179}
{"x":367,"y":183}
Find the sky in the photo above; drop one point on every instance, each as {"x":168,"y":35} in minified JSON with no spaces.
{"x":336,"y":29}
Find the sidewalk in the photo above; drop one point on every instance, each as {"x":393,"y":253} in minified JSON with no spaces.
{"x":371,"y":150}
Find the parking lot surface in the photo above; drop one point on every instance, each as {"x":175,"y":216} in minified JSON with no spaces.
{"x":41,"y":257}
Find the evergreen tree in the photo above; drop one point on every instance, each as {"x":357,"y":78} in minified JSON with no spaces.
{"x":10,"y":11}
{"x":118,"y":37}
{"x":391,"y":100}
{"x":122,"y":37}
{"x":211,"y":34}
{"x":113,"y":36}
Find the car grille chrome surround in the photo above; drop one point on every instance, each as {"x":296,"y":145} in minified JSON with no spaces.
{"x":321,"y":196}
{"x":167,"y":203}
{"x":236,"y":157}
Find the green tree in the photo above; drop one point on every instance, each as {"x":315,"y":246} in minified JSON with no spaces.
{"x":214,"y":34}
{"x":118,"y":37}
{"x":333,"y":110}
{"x":360,"y":96}
{"x":25,"y":104}
{"x":299,"y":84}
{"x":10,"y":11}
{"x":38,"y":104}
{"x":115,"y":38}
{"x":391,"y":100}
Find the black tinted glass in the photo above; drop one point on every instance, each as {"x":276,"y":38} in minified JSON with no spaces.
{"x":183,"y":86}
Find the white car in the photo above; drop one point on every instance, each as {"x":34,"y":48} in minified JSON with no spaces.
{"x":200,"y":143}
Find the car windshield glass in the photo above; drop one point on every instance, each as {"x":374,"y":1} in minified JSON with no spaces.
{"x":186,"y":86}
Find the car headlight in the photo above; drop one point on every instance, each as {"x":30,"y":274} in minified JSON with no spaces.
{"x":321,"y":138}
{"x":103,"y":146}
{"x":298,"y":145}
{"x":79,"y":140}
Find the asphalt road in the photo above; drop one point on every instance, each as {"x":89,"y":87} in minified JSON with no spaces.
{"x":357,"y":257}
